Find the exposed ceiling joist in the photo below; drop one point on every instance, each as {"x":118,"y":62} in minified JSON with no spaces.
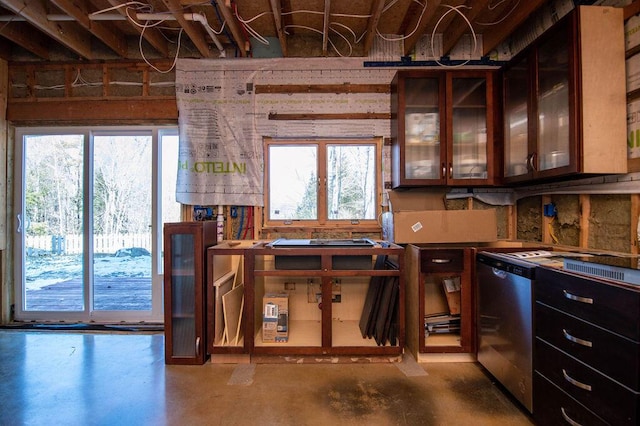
{"x":21,"y":34}
{"x":517,"y":17}
{"x":232,"y":23}
{"x":195,"y":33}
{"x":322,"y":28}
{"x":102,"y":31}
{"x":276,"y":9}
{"x":376,"y":13}
{"x":151,"y":34}
{"x":65,"y":33}
{"x":460,"y":26}
{"x":420,"y":24}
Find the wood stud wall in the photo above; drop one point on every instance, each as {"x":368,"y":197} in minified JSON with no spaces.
{"x":29,"y":103}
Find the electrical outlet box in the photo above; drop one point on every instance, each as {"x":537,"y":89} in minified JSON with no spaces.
{"x":550,"y":210}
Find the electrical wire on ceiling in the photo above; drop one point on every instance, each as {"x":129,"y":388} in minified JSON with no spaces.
{"x":435,"y":27}
{"x":424,"y":8}
{"x":515,"y":5}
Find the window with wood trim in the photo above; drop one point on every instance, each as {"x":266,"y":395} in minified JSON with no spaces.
{"x":315,"y":182}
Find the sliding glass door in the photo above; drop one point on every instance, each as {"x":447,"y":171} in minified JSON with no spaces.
{"x":90,"y":214}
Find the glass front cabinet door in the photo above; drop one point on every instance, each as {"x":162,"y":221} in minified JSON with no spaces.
{"x":564,"y":100}
{"x":185,"y":246}
{"x":442,"y":128}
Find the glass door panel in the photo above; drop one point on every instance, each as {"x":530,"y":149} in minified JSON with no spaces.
{"x":122,"y":189}
{"x":422,"y":128}
{"x":516,"y":126}
{"x":51,"y":224}
{"x":553,"y":103}
{"x":469,"y":160}
{"x":183,"y":295}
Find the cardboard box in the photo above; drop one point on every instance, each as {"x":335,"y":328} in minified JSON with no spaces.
{"x":420,"y":217}
{"x":275,"y":317}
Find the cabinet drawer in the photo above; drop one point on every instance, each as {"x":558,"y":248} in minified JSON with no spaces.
{"x":612,"y":401}
{"x":609,"y":306}
{"x":552,"y":406}
{"x":613,"y":355}
{"x":446,"y":260}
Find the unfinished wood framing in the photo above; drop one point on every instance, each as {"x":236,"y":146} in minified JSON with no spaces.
{"x":95,"y":93}
{"x":339,"y":116}
{"x":322,"y":88}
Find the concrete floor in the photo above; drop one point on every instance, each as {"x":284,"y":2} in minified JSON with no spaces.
{"x":57,"y":378}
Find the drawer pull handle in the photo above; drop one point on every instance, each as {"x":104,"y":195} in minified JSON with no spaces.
{"x":440,"y":260}
{"x":575,"y":382}
{"x":570,"y":296}
{"x":577,"y":340}
{"x":568,"y":419}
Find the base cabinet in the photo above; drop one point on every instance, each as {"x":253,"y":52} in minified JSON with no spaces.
{"x":305,"y":301}
{"x":340,"y":301}
{"x":225,"y":296}
{"x":586,"y":350}
{"x":185,"y":245}
{"x":440,"y":314}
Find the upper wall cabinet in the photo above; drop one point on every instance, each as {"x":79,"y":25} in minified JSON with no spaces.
{"x":564,"y":100}
{"x":442,"y":128}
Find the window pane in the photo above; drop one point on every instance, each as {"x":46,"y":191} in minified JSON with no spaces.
{"x":293,"y":180}
{"x":53,"y":254}
{"x":122,"y":223}
{"x":351,"y":182}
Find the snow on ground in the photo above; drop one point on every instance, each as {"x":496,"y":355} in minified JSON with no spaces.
{"x":42,"y":271}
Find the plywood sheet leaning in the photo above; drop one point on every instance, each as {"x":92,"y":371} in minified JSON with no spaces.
{"x":221,"y":287}
{"x":232,"y":305}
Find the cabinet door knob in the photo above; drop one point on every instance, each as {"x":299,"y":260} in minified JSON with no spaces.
{"x":577,"y":340}
{"x":575,"y":382}
{"x":570,"y":296}
{"x":568,"y":419}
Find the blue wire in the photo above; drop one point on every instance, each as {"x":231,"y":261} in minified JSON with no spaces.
{"x":241,"y":222}
{"x":226,"y":33}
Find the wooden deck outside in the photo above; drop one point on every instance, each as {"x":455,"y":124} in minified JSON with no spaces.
{"x":110,"y":294}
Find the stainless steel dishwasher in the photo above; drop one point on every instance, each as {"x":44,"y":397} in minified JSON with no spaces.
{"x":504,"y":288}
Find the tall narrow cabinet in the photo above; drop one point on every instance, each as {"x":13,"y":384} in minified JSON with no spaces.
{"x":185,"y":245}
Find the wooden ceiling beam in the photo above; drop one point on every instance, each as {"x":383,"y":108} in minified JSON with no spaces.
{"x":194,"y":31}
{"x":459,"y":27}
{"x":103,"y":31}
{"x":372,"y":25}
{"x":490,"y":39}
{"x":424,"y":18}
{"x":152,"y":35}
{"x":276,"y":9}
{"x":232,"y":23}
{"x":65,"y":33}
{"x":325,"y":26}
{"x":23,"y":35}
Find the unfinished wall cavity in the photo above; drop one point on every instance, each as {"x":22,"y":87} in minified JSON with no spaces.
{"x":610,"y":222}
{"x":529,"y":221}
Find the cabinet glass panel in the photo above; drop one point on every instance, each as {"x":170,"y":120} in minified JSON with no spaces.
{"x":516,"y":95}
{"x":422,"y":129}
{"x":183,"y":290}
{"x":469,"y":128}
{"x":553,"y":103}
{"x":442,"y":307}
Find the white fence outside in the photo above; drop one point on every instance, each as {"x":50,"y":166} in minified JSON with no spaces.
{"x":72,"y":244}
